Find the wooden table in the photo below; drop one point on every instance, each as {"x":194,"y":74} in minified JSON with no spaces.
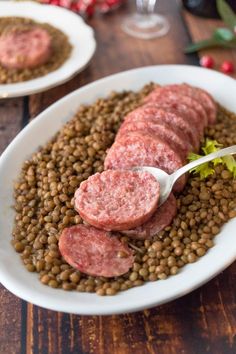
{"x":201,"y":322}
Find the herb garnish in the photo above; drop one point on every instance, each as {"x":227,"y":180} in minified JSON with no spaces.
{"x":221,"y":37}
{"x":207,"y":169}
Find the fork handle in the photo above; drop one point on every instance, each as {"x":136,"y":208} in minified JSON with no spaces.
{"x":220,"y":153}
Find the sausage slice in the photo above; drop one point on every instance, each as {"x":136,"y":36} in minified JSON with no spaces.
{"x":136,"y":149}
{"x":95,"y":252}
{"x":168,"y":134}
{"x":184,"y":111}
{"x":117,"y":200}
{"x":203,"y":97}
{"x":160,"y":219}
{"x":24,"y":47}
{"x":174,"y":94}
{"x":173,"y":120}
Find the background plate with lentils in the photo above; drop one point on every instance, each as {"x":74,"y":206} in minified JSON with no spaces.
{"x":44,"y":201}
{"x":61,"y":49}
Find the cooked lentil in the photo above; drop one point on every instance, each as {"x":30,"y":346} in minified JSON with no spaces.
{"x":61,"y":50}
{"x":44,"y":202}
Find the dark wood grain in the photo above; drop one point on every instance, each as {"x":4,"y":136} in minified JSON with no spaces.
{"x":203,"y":322}
{"x":10,"y":323}
{"x":11,"y":308}
{"x":10,"y":120}
{"x":199,"y":323}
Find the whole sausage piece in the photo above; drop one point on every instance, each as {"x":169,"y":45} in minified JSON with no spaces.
{"x":24,"y":47}
{"x":95,"y":252}
{"x":117,"y":200}
{"x":160,"y":219}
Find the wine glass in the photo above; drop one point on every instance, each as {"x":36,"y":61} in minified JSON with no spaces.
{"x":145,"y":23}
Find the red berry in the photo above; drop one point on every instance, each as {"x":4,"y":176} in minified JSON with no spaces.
{"x":73,"y":7}
{"x":90,"y":10}
{"x":207,"y":61}
{"x":227,"y":67}
{"x":55,"y":2}
{"x":112,"y":2}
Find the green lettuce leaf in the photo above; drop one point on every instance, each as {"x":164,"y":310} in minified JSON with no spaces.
{"x":230,"y":163}
{"x":211,"y":146}
{"x":203,"y":170}
{"x":208,"y":168}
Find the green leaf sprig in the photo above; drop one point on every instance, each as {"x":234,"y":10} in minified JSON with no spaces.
{"x":221,"y":37}
{"x":208,"y":168}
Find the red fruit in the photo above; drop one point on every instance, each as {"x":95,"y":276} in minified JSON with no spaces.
{"x":207,"y":61}
{"x":74,"y":7}
{"x":227,"y":67}
{"x":55,"y":2}
{"x":90,"y":11}
{"x":112,"y":2}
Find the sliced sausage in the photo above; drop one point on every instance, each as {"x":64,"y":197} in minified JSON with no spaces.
{"x":185,"y":112}
{"x":174,"y":94}
{"x":202,"y":97}
{"x":95,"y":252}
{"x":167,"y":134}
{"x":208,"y":102}
{"x":136,"y":149}
{"x":160,"y":219}
{"x":175,"y":121}
{"x":24,"y":47}
{"x":117,"y":200}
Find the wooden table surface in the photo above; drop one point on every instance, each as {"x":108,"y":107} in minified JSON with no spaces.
{"x":203,"y":321}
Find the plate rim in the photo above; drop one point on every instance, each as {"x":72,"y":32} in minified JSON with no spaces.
{"x":122,"y":309}
{"x":4,"y":93}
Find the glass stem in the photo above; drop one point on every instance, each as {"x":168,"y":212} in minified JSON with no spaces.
{"x":145,"y":7}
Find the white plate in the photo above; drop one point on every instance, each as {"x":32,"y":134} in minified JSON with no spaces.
{"x":80,"y":35}
{"x":26,"y":285}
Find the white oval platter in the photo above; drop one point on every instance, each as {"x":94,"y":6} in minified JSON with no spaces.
{"x":26,"y":285}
